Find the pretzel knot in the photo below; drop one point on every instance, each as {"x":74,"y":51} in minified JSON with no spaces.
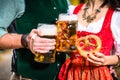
{"x":88,"y":45}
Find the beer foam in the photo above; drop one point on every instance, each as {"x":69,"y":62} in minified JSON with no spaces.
{"x":68,"y":17}
{"x":47,"y":29}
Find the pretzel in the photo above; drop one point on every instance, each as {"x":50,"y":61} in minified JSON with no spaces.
{"x":88,"y":45}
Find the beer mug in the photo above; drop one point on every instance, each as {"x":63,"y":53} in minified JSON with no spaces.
{"x":48,"y":31}
{"x":66,"y":32}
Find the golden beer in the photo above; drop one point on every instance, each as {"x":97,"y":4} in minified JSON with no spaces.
{"x":48,"y":31}
{"x":66,"y":32}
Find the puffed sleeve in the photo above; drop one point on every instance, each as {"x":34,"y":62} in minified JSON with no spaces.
{"x":115,"y":27}
{"x":71,"y":9}
{"x":9,"y":10}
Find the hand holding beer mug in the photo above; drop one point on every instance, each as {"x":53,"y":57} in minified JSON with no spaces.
{"x":48,"y":31}
{"x":66,"y":32}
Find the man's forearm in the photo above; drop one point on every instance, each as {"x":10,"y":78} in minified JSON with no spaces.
{"x":10,"y":41}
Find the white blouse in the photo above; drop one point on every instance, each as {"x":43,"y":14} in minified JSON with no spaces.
{"x":115,"y":27}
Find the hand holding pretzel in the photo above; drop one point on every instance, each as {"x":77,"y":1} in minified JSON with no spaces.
{"x":88,"y":45}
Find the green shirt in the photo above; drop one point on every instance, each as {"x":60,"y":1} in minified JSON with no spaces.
{"x":35,"y":11}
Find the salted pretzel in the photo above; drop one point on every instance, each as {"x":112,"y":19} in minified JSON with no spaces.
{"x":88,"y":45}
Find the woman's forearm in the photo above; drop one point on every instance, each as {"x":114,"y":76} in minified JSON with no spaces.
{"x":111,"y":60}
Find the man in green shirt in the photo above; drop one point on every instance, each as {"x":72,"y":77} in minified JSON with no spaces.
{"x":27,"y":14}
